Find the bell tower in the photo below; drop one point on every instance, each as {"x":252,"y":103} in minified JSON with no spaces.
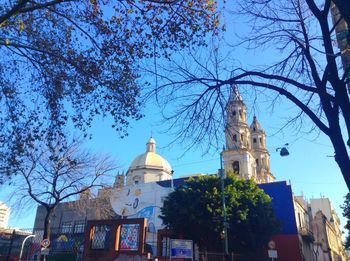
{"x":261,"y":154}
{"x":245,"y":151}
{"x":238,"y":156}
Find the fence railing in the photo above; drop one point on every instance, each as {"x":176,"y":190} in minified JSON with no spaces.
{"x":65,"y":245}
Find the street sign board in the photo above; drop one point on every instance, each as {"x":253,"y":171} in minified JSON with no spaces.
{"x":272,"y":253}
{"x":45,"y":251}
{"x":45,"y":243}
{"x":180,"y":248}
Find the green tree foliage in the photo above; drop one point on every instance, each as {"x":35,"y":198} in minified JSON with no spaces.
{"x":67,"y":61}
{"x":195,"y":211}
{"x":346,"y":214}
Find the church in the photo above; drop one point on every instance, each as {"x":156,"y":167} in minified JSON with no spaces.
{"x":139,"y":193}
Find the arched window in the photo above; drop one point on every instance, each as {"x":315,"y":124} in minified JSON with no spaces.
{"x":235,"y":167}
{"x":234,"y":113}
{"x":234,"y":137}
{"x":257,"y":162}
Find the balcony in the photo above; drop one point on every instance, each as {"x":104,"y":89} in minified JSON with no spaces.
{"x":306,"y":233}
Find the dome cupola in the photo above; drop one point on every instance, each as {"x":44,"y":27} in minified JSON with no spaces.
{"x":148,"y":167}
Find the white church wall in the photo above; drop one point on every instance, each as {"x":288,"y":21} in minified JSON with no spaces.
{"x":142,"y":201}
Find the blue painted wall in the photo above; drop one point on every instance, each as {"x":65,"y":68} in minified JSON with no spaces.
{"x":282,"y":203}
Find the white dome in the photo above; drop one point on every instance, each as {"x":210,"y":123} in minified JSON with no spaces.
{"x":150,"y":160}
{"x":149,"y":166}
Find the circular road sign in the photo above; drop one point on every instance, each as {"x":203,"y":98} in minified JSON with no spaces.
{"x":45,"y":243}
{"x":272,"y":244}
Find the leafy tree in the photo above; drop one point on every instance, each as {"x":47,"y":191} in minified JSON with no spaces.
{"x":346,"y":214}
{"x":64,"y":62}
{"x":195,"y":212}
{"x":304,"y":69}
{"x":49,"y":175}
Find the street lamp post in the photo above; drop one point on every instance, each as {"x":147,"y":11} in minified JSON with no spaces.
{"x":225,"y":225}
{"x":24,"y":241}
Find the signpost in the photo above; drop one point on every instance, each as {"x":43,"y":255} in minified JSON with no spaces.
{"x":45,"y":243}
{"x":272,"y":252}
{"x":180,"y":248}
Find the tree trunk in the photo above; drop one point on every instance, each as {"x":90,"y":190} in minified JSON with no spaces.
{"x":47,"y":226}
{"x":47,"y":222}
{"x":341,"y":154}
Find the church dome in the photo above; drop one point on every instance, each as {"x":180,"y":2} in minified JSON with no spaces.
{"x":150,"y":159}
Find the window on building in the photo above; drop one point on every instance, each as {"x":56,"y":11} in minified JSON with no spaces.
{"x":234,"y":113}
{"x":235,"y":167}
{"x":136,"y":182}
{"x":242,"y":137}
{"x":261,"y":141}
{"x":79,"y":226}
{"x":67,"y":227}
{"x":101,"y":235}
{"x":234,"y":137}
{"x":254,"y":140}
{"x":257,"y":162}
{"x":240,"y":113}
{"x":299,"y":218}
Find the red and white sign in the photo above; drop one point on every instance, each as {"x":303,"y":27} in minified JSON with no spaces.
{"x":272,"y":244}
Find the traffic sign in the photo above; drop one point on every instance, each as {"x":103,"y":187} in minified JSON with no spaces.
{"x":45,"y":251}
{"x":45,"y":243}
{"x":272,"y":244}
{"x":272,"y":254}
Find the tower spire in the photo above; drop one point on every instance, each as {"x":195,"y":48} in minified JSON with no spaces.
{"x":235,"y":95}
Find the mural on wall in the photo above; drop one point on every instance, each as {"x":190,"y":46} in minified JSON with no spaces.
{"x":129,"y":237}
{"x":142,"y":201}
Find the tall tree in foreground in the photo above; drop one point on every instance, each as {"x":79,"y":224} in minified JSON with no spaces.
{"x":48,"y":175}
{"x":65,"y":62}
{"x":304,"y":68}
{"x":195,"y":212}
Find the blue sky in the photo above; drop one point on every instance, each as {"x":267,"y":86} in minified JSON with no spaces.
{"x":309,"y":168}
